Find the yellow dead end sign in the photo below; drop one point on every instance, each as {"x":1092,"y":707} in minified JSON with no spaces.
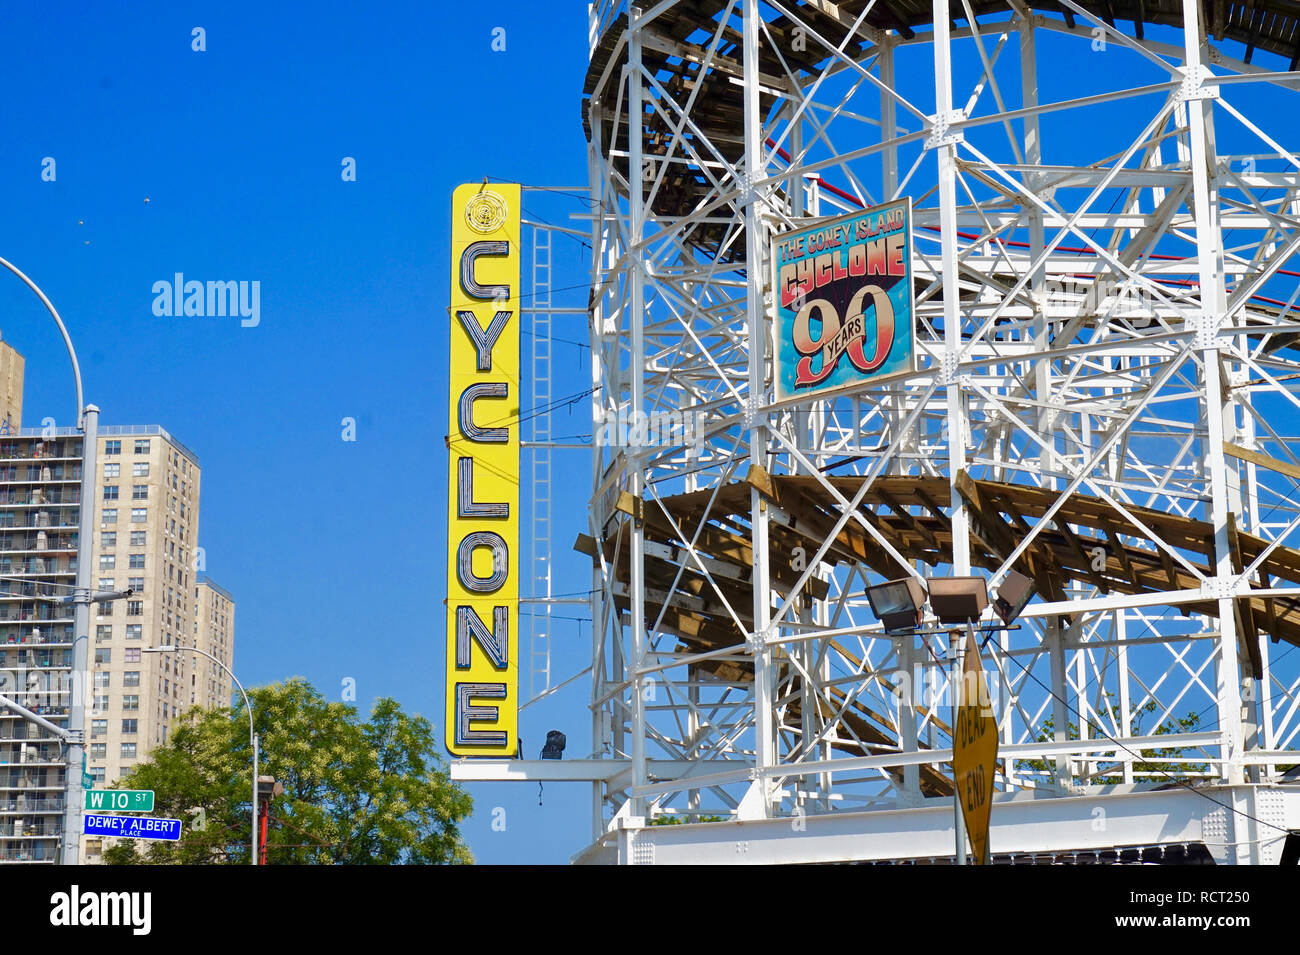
{"x":975,"y":752}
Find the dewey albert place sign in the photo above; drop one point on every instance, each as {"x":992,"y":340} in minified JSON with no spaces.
{"x":120,"y":800}
{"x":131,"y":827}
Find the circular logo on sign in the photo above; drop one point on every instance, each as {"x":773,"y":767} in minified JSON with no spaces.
{"x":485,"y":212}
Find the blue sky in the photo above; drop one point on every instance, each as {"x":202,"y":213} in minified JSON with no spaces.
{"x":333,"y":550}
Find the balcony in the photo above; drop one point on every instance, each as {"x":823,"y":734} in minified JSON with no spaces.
{"x":39,"y":498}
{"x":38,"y":758}
{"x":60,"y":614}
{"x":31,"y":807}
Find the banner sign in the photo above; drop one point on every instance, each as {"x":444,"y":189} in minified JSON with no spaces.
{"x":483,"y":473}
{"x":844,"y":300}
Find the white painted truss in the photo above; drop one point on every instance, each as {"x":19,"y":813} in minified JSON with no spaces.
{"x":1106,"y":234}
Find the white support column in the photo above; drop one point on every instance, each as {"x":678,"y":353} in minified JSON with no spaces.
{"x":946,"y":152}
{"x":907,"y":711}
{"x":888,"y":117}
{"x":756,"y":327}
{"x":636,"y":323}
{"x":1056,"y":638}
{"x":599,"y":237}
{"x":1210,"y":262}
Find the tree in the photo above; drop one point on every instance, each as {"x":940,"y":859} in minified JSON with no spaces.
{"x":1154,"y":770}
{"x":355,"y":792}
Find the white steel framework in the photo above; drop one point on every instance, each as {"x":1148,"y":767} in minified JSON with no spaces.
{"x":1107,"y":224}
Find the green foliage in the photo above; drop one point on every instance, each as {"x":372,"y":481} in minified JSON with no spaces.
{"x":1159,"y":771}
{"x":355,"y":792}
{"x":681,"y":820}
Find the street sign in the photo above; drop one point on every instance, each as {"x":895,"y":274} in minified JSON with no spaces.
{"x":975,"y":752}
{"x":131,"y":827}
{"x":121,"y":800}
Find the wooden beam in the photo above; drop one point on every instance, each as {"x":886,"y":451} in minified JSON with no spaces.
{"x":1097,"y":579}
{"x":1263,"y":460}
{"x":901,"y":510}
{"x":1121,"y":553}
{"x":1249,"y":634}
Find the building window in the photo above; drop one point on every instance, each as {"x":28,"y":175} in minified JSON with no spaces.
{"x":131,"y":678}
{"x":134,"y":631}
{"x":130,"y":727}
{"x":98,"y":728}
{"x":108,"y":516}
{"x":107,"y":583}
{"x":103,"y":632}
{"x":107,"y":561}
{"x":135,"y":608}
{"x":128,"y":750}
{"x":103,"y":655}
{"x":110,"y":492}
{"x":108,"y":539}
{"x":132,"y":654}
{"x":101,"y":703}
{"x":139,"y":492}
{"x":139,"y":515}
{"x":137,"y":538}
{"x":112,"y":469}
{"x":98,"y":750}
{"x":137,"y":562}
{"x":140,"y":469}
{"x":130,"y":701}
{"x":103,"y":680}
{"x":112,"y":447}
{"x":136,"y":584}
{"x":142,"y":446}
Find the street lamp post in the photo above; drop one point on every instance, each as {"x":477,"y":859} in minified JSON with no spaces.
{"x":252,"y":733}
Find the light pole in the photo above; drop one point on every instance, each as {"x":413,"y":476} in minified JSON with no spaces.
{"x":252,"y":734}
{"x":75,"y":740}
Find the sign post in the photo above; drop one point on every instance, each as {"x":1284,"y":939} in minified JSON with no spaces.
{"x":120,"y":800}
{"x":975,"y":750}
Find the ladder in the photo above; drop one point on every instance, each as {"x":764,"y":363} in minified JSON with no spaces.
{"x":540,"y":467}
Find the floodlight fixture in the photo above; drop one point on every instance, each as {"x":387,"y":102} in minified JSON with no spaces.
{"x":897,"y":603}
{"x":554,"y":746}
{"x":1015,"y":592}
{"x":957,"y":599}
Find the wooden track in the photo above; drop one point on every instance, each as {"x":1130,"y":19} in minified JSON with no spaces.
{"x":675,"y":45}
{"x":803,"y":513}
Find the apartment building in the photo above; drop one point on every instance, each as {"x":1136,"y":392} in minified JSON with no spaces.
{"x":145,"y":527}
{"x":40,"y":491}
{"x":11,"y":389}
{"x":214,"y":631}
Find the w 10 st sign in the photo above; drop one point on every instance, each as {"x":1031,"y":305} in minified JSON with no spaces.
{"x":120,"y":800}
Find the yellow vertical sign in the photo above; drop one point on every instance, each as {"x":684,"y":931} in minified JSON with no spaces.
{"x":975,"y":752}
{"x":483,"y":473}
